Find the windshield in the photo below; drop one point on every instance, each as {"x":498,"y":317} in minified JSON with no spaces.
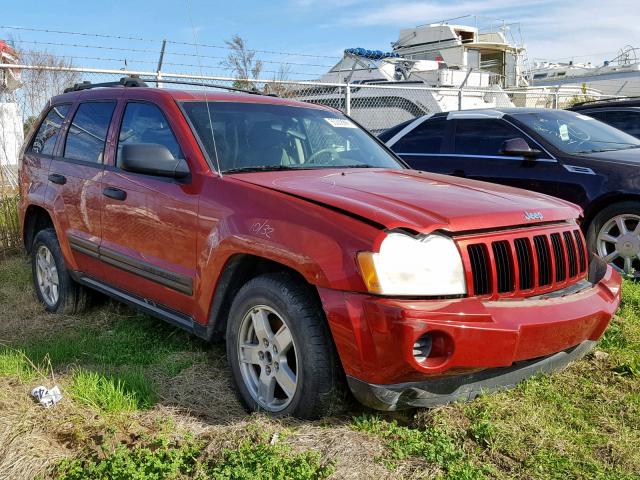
{"x":251,"y":136}
{"x":574,"y":133}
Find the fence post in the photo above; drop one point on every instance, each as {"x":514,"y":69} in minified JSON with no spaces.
{"x":460,"y":99}
{"x":556,"y":98}
{"x":347,"y":99}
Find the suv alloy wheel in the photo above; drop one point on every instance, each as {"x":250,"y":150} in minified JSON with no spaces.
{"x":280,"y":350}
{"x":54,"y":286}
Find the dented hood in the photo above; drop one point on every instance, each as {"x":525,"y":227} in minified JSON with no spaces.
{"x":419,"y":201}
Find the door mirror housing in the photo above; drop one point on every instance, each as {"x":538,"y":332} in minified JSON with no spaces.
{"x":518,"y":147}
{"x":152,"y":159}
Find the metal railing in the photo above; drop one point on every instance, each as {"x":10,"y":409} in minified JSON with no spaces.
{"x":376,"y":106}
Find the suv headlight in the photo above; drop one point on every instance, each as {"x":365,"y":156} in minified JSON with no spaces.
{"x":414,"y":266}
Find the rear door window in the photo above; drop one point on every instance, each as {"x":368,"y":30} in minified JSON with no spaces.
{"x":598,"y":115}
{"x":48,"y":131}
{"x":484,"y":137}
{"x":145,"y":123}
{"x":88,"y":132}
{"x":425,"y":138}
{"x":627,"y":121}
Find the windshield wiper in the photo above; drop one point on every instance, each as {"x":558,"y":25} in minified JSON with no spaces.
{"x":261,"y":168}
{"x":602,"y":150}
{"x":359,"y":165}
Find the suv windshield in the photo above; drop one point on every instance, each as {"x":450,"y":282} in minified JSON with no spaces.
{"x":574,"y":133}
{"x":250,"y":136}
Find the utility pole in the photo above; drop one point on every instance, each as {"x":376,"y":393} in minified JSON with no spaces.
{"x":160,"y":60}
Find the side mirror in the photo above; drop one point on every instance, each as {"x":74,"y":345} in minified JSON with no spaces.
{"x":152,"y":159}
{"x":518,"y":147}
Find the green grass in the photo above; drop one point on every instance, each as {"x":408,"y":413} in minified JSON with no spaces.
{"x":169,"y":460}
{"x":112,"y":393}
{"x":111,"y":349}
{"x":14,"y":363}
{"x":116,"y":365}
{"x":110,"y":362}
{"x":126,"y":340}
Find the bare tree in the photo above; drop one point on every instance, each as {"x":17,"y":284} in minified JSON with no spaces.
{"x":280,"y":88}
{"x":40,"y":84}
{"x":242,"y":62}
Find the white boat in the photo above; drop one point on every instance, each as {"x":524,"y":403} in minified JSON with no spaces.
{"x":617,"y":77}
{"x":423,"y":74}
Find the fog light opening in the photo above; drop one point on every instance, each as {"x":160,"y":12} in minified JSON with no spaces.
{"x":422,"y":348}
{"x":433,"y":349}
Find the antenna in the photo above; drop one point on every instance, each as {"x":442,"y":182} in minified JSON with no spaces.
{"x":206,"y":101}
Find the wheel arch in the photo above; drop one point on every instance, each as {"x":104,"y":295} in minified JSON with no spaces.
{"x":600,"y":203}
{"x":36,"y":218}
{"x":237,"y":271}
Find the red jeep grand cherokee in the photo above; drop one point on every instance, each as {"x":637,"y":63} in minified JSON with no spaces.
{"x":294,"y":233}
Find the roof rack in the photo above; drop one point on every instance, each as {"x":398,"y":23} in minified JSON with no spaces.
{"x":135,"y":81}
{"x":612,"y":99}
{"x":123,"y":82}
{"x":253,"y":91}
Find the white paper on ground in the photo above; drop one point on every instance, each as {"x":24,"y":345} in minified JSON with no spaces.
{"x":47,"y":398}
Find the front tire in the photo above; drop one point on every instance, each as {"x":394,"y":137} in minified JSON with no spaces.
{"x":280,"y":349}
{"x":54,"y":286}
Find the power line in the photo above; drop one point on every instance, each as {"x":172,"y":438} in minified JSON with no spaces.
{"x":180,"y":54}
{"x":101,"y":35}
{"x":270,"y":52}
{"x":140,"y":39}
{"x":97,"y":47}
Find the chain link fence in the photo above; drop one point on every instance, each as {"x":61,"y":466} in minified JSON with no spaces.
{"x":376,"y":107}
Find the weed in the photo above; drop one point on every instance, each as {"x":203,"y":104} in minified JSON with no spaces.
{"x":169,"y":460}
{"x":430,"y":444}
{"x":267,"y":462}
{"x":159,"y":461}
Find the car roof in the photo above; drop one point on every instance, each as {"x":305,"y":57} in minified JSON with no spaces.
{"x":153,"y":93}
{"x":486,"y":112}
{"x":608,"y":103}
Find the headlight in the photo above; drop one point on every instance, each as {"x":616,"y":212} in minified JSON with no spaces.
{"x":406,"y":265}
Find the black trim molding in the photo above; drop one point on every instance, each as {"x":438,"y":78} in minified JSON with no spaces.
{"x":148,"y":306}
{"x":174,"y":281}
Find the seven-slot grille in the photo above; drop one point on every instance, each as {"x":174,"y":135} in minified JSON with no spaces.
{"x":524,"y":263}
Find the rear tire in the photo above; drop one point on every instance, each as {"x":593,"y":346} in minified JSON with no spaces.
{"x":614,"y":234}
{"x":54,"y":287}
{"x":280,"y":349}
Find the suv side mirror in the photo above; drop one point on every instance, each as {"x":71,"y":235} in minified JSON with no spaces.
{"x":152,"y":159}
{"x":518,"y":147}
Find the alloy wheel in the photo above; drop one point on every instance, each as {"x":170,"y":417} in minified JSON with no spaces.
{"x":47,"y":276}
{"x":618,"y":243}
{"x":268,"y":358}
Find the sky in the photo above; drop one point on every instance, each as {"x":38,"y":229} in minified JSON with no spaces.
{"x":585,"y":30}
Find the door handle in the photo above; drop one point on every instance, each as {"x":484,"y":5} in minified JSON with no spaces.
{"x":459,"y":173}
{"x":57,"y":178}
{"x":114,"y":193}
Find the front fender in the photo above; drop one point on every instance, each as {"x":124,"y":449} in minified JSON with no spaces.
{"x":318,"y":243}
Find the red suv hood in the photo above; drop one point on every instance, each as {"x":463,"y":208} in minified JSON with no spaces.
{"x":420,"y":201}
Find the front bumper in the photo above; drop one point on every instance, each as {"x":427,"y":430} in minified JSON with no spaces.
{"x":484,"y":343}
{"x":439,"y":391}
